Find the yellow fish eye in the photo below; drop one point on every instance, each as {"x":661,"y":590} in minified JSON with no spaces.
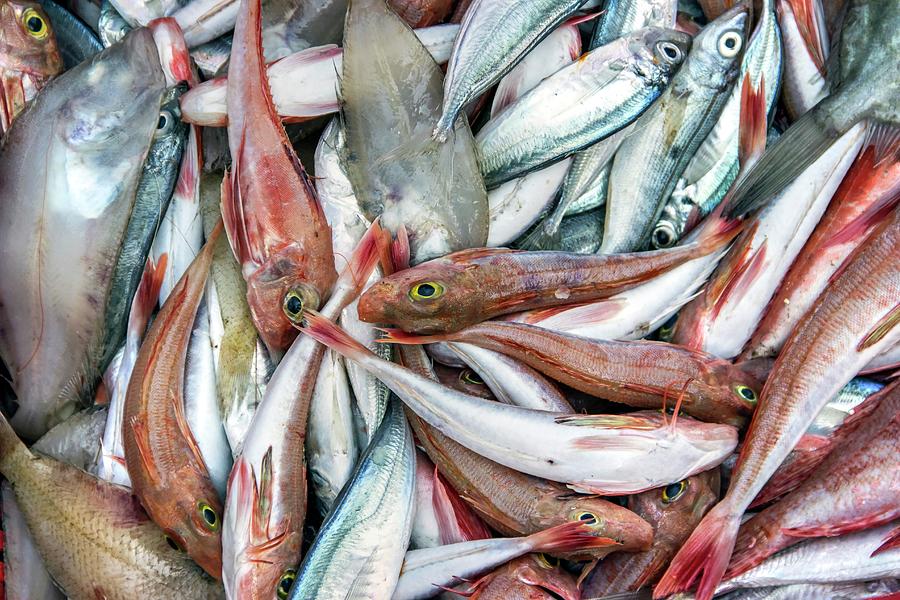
{"x":209,"y":514}
{"x":427,"y":290}
{"x":285,"y":583}
{"x":673,"y":491}
{"x":293,"y":305}
{"x":745,"y":393}
{"x":35,"y":24}
{"x":471,"y":377}
{"x":587,"y":517}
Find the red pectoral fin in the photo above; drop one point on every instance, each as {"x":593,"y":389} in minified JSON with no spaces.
{"x":142,"y":441}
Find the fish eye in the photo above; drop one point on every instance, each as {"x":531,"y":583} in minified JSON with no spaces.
{"x":210,"y":516}
{"x":663,"y":235}
{"x":35,"y":24}
{"x":427,"y":290}
{"x":470,"y":376}
{"x":673,"y":491}
{"x":548,"y":562}
{"x":174,"y":545}
{"x":670,"y":51}
{"x":730,"y":44}
{"x":587,"y":517}
{"x":746,"y":393}
{"x":165,"y":123}
{"x":285,"y":583}
{"x":293,"y":305}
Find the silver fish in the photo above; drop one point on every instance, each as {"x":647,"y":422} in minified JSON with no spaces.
{"x":582,"y":103}
{"x":583,"y":232}
{"x":624,"y":16}
{"x":80,"y":147}
{"x":112,"y":26}
{"x":649,"y":162}
{"x":75,"y":440}
{"x":362,"y":543}
{"x":434,"y":190}
{"x":880,"y":588}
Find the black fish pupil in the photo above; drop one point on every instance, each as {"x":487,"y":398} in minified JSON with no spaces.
{"x":162,"y":122}
{"x":587,"y":518}
{"x":730,"y":43}
{"x":662,"y":237}
{"x":426,"y":290}
{"x":172,"y":544}
{"x":34,"y":24}
{"x":670,"y":51}
{"x":747,"y":393}
{"x":209,"y":515}
{"x":672,"y":490}
{"x":285,"y":584}
{"x":294,"y":305}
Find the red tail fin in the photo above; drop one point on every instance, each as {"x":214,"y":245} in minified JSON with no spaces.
{"x":568,"y":537}
{"x":810,"y":21}
{"x":398,"y":336}
{"x":456,"y":520}
{"x":707,"y":551}
{"x":146,"y":295}
{"x":366,"y":255}
{"x":754,"y":122}
{"x":325,"y":332}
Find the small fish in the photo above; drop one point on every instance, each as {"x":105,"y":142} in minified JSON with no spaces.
{"x":858,"y":590}
{"x":272,"y":215}
{"x":493,"y":37}
{"x":531,"y":577}
{"x":29,"y":56}
{"x":465,"y":380}
{"x":582,"y":233}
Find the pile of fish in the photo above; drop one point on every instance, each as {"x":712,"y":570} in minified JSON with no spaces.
{"x":497,"y":299}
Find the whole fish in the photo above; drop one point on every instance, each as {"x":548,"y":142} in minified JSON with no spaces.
{"x":165,"y":465}
{"x":493,"y":37}
{"x":531,"y":577}
{"x":839,"y":419}
{"x":76,"y":41}
{"x":673,"y":511}
{"x":854,"y":488}
{"x":361,"y":544}
{"x":272,"y":215}
{"x":866,"y":53}
{"x":586,"y":101}
{"x":80,"y":147}
{"x":266,"y":502}
{"x":470,"y":286}
{"x":29,"y":56}
{"x":426,"y":571}
{"x":304,"y":84}
{"x":706,"y":387}
{"x":865,"y":196}
{"x":568,"y":440}
{"x":650,"y":160}
{"x":841,"y":332}
{"x":434,"y":190}
{"x":93,"y":536}
{"x":806,"y":48}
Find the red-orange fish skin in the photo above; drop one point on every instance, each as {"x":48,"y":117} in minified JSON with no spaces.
{"x":272,"y":214}
{"x":529,"y":577}
{"x":421,"y":13}
{"x":167,"y":471}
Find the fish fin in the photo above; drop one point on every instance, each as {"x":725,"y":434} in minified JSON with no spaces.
{"x":506,"y":92}
{"x":800,"y":146}
{"x":398,"y":336}
{"x":10,"y":444}
{"x":881,"y":329}
{"x":606,"y":443}
{"x":608,"y":421}
{"x":736,"y":281}
{"x":185,"y":429}
{"x":400,"y":250}
{"x":142,"y":441}
{"x":325,"y":332}
{"x":811,"y":24}
{"x":757,"y":539}
{"x":146,"y":295}
{"x":568,"y":537}
{"x":235,"y":224}
{"x":577,"y":315}
{"x":476,"y":253}
{"x":642,"y":594}
{"x":891,"y":541}
{"x":366,"y":256}
{"x":454,"y":516}
{"x":831,"y":530}
{"x":753,"y":122}
{"x":706,"y":551}
{"x":885,"y":138}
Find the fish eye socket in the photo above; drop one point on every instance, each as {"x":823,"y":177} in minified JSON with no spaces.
{"x":293,"y":305}
{"x":174,"y":545}
{"x":209,"y":514}
{"x":427,"y":290}
{"x":745,"y":393}
{"x":663,"y":236}
{"x":285,"y":583}
{"x":35,"y":24}
{"x":548,"y":562}
{"x":587,"y":517}
{"x":471,"y":377}
{"x":730,"y":44}
{"x":670,"y":51}
{"x":673,"y":491}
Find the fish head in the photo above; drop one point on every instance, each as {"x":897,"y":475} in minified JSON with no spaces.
{"x":465,"y":380}
{"x":733,"y":390}
{"x":543,"y":572}
{"x":658,"y":52}
{"x":433,"y":297}
{"x":715,"y":57}
{"x":604,"y":518}
{"x":196,"y":523}
{"x":701,"y":445}
{"x":29,"y":56}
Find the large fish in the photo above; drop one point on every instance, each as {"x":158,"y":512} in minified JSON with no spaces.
{"x":434,"y":190}
{"x":29,"y":57}
{"x":272,"y":215}
{"x":840,"y":333}
{"x":79,"y":149}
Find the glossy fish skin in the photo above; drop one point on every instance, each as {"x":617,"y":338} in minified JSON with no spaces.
{"x":710,"y":388}
{"x":866,"y":193}
{"x":272,"y":215}
{"x":76,"y":41}
{"x":673,"y":511}
{"x":845,"y":328}
{"x":434,"y":190}
{"x":649,"y":161}
{"x":29,"y":56}
{"x":621,"y":16}
{"x":858,"y":590}
{"x":371,"y":519}
{"x":854,"y":488}
{"x":81,"y":147}
{"x":493,"y":37}
{"x":583,"y":232}
{"x":804,"y":59}
{"x":529,"y":577}
{"x":93,"y":536}
{"x":586,"y":101}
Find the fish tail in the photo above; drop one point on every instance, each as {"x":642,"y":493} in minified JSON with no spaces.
{"x":810,"y":19}
{"x":444,"y":125}
{"x":366,"y":255}
{"x":890,"y":542}
{"x":753,"y":122}
{"x":706,"y":551}
{"x":325,"y":332}
{"x":398,"y":336}
{"x":716,"y":232}
{"x":11,"y":447}
{"x":146,"y":295}
{"x":456,"y":521}
{"x":568,"y":537}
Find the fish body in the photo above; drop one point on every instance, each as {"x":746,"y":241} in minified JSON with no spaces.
{"x":361,"y":545}
{"x":80,"y":148}
{"x":620,"y":17}
{"x":112,"y":27}
{"x":74,"y":441}
{"x":272,"y":215}
{"x":398,"y":173}
{"x":29,"y":56}
{"x":806,"y":48}
{"x":586,"y":101}
{"x":493,"y":37}
{"x":582,"y":233}
{"x":649,"y":161}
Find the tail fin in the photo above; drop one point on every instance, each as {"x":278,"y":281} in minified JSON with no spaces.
{"x":456,"y":521}
{"x":706,"y":551}
{"x":365,"y":256}
{"x":10,"y":447}
{"x":753,"y":123}
{"x":325,"y":332}
{"x":568,"y":537}
{"x":810,"y":18}
{"x":146,"y":295}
